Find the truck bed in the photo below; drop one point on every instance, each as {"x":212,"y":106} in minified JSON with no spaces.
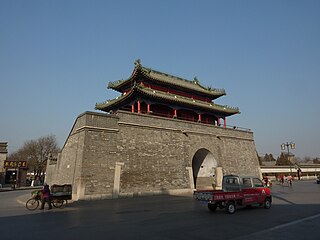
{"x":216,"y":195}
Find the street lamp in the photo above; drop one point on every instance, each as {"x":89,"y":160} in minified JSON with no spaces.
{"x":287,"y":145}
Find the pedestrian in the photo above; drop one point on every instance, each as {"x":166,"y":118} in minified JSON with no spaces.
{"x":282,"y":179}
{"x":266,"y":181}
{"x":290,"y":180}
{"x":299,"y":173}
{"x":45,"y":196}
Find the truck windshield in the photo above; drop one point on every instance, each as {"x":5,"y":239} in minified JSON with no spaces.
{"x":257,"y":182}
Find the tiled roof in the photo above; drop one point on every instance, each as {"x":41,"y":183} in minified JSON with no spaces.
{"x":167,"y":79}
{"x":166,"y":97}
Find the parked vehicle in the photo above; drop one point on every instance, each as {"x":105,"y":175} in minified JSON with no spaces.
{"x":236,"y":191}
{"x":318,"y":179}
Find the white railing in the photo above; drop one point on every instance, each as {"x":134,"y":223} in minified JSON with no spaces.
{"x":308,"y":172}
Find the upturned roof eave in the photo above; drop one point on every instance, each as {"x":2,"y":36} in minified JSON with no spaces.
{"x":171,"y":98}
{"x":113,"y":103}
{"x":120,"y":85}
{"x":224,"y":110}
{"x":176,"y":81}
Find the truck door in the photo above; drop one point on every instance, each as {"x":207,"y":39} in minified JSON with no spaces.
{"x":258,"y":185}
{"x":250,"y":193}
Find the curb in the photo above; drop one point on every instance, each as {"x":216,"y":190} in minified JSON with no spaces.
{"x":20,"y":189}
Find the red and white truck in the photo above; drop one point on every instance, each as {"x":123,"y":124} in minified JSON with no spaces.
{"x":236,"y":191}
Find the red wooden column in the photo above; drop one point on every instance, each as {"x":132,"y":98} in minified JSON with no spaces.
{"x":199,"y":117}
{"x":148,"y":108}
{"x":139,"y":107}
{"x":132,"y":107}
{"x":218,"y":121}
{"x":175,"y":113}
{"x":224,"y":122}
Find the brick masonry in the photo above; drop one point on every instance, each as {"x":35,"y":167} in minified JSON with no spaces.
{"x":155,"y":154}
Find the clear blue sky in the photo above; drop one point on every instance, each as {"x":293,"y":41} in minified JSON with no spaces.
{"x":57,"y":57}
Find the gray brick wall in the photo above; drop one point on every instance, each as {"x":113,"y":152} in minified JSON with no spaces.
{"x":155,"y":152}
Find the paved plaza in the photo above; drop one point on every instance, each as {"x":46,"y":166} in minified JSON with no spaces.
{"x":295,"y":214}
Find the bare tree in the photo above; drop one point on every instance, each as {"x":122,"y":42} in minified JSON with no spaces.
{"x":36,"y":153}
{"x":307,"y":159}
{"x":269,"y":158}
{"x":316,"y":160}
{"x":283,"y":159}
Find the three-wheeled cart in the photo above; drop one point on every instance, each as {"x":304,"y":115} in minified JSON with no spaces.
{"x":60,"y":194}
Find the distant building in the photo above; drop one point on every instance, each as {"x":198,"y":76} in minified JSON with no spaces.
{"x":303,"y":170}
{"x":11,"y":172}
{"x":3,"y":157}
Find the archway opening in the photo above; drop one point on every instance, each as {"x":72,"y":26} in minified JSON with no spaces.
{"x":203,"y":168}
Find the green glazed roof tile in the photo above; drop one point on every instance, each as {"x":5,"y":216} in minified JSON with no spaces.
{"x":167,"y":79}
{"x":161,"y":96}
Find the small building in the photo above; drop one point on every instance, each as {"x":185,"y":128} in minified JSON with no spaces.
{"x":11,"y":172}
{"x":162,"y":134}
{"x":3,"y":158}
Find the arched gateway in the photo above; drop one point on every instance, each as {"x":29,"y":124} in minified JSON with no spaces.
{"x":150,"y":140}
{"x":203,"y":167}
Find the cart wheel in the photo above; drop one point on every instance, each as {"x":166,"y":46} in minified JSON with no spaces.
{"x":231,"y":207}
{"x":32,"y":204}
{"x":57,"y":203}
{"x":212,"y":207}
{"x":267,"y":203}
{"x":64,"y":203}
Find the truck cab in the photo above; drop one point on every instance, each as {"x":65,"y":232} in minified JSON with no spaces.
{"x":235,"y":183}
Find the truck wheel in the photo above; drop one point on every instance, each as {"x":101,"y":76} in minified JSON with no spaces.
{"x":231,"y":207}
{"x":267,"y":203}
{"x":212,"y":207}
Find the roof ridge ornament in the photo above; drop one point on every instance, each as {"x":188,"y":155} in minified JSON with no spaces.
{"x":138,"y":63}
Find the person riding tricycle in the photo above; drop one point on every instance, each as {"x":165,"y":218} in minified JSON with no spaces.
{"x":58,"y":196}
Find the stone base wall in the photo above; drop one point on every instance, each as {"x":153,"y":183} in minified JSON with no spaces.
{"x":130,"y":154}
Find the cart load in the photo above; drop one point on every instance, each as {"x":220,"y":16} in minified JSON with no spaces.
{"x":62,"y":191}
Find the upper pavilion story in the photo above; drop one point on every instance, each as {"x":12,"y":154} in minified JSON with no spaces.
{"x":148,"y":91}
